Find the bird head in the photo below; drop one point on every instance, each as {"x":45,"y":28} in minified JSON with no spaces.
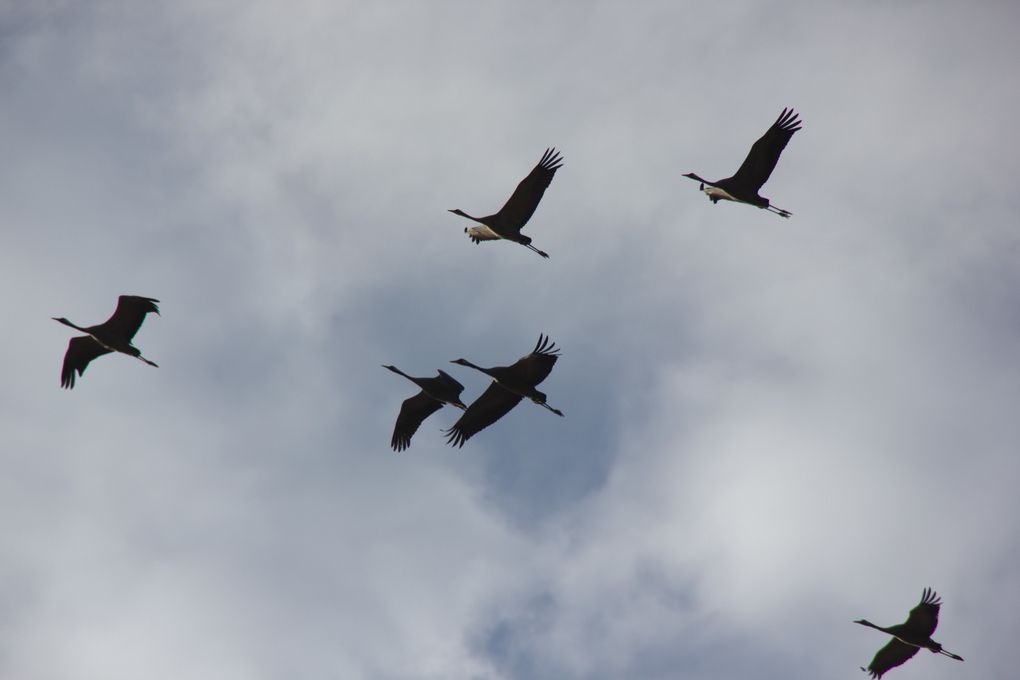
{"x":61,"y":320}
{"x":462,"y":362}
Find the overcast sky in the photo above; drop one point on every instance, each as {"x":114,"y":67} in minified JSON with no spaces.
{"x":773,"y":427}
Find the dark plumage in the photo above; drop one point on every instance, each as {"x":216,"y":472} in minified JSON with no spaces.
{"x":509,"y":385}
{"x":435,"y":392}
{"x":909,"y":636}
{"x":761,"y":160}
{"x":508,"y":222}
{"x":113,"y":335}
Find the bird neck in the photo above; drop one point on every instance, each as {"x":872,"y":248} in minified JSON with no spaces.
{"x":68,"y":323}
{"x":458,"y":211}
{"x":865,"y":622}
{"x":397,"y":371}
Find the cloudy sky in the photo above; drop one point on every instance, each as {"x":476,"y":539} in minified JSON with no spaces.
{"x":773,"y":427}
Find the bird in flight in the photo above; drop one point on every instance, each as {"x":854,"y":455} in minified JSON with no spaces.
{"x":743,"y":187}
{"x":509,"y":385}
{"x":909,"y":636}
{"x":435,"y":392}
{"x":511,"y":218}
{"x":113,"y":335}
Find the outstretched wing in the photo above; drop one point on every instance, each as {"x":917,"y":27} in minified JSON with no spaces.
{"x":894,"y":654}
{"x":521,"y":205}
{"x":924,"y":618}
{"x":764,"y":154}
{"x":80,"y":351}
{"x":412,"y":412}
{"x":494,"y":403}
{"x":129,"y":315}
{"x":536,"y":367}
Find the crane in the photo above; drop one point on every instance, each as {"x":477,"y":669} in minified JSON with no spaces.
{"x":743,"y":187}
{"x":509,"y":385}
{"x":909,"y":636}
{"x":511,"y":218}
{"x":435,"y":392}
{"x":113,"y":335}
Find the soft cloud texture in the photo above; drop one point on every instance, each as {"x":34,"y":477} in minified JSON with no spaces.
{"x":773,"y":427}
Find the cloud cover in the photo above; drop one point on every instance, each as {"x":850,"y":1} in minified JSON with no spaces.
{"x":773,"y":427}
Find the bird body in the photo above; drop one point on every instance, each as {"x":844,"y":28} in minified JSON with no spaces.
{"x":435,"y":392}
{"x":909,"y":636}
{"x":113,"y":335}
{"x":515,"y":213}
{"x":743,"y":187}
{"x":510,"y":384}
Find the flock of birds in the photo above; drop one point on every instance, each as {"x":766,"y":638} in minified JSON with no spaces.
{"x":511,"y":384}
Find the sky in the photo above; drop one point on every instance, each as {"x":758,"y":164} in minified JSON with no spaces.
{"x":773,"y":427}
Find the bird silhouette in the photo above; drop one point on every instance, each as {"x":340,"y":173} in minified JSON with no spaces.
{"x":511,"y":218}
{"x":755,"y":170}
{"x":909,"y":636}
{"x":113,"y":335}
{"x":435,"y":392}
{"x":509,"y":385}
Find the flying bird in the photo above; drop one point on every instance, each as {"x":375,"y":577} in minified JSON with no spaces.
{"x":435,"y":392}
{"x":909,"y":636}
{"x":754,"y":172}
{"x":511,"y":218}
{"x":509,"y":385}
{"x":113,"y":335}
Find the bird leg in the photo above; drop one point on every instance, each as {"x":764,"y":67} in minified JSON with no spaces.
{"x":778,"y":211}
{"x":543,"y":254}
{"x":151,"y":363}
{"x":554,"y":410}
{"x":951,"y":655}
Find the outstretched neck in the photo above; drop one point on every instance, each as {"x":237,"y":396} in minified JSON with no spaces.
{"x":865,"y":622}
{"x":397,"y":371}
{"x":465,"y":362}
{"x":68,"y":323}
{"x":458,"y":211}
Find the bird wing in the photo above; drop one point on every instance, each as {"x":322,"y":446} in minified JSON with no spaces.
{"x":521,"y":205}
{"x":129,"y":315}
{"x":536,"y":367}
{"x":893,"y":654}
{"x":764,"y":154}
{"x":451,"y":383}
{"x":413,"y":411}
{"x":494,"y":403}
{"x":924,"y":618}
{"x":80,"y":351}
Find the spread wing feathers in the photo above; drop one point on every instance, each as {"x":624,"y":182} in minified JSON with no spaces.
{"x":893,"y":654}
{"x":764,"y":154}
{"x":80,"y":351}
{"x":536,"y":367}
{"x":494,"y":403}
{"x":521,"y":205}
{"x":924,"y":618}
{"x":413,"y":411}
{"x":129,"y":315}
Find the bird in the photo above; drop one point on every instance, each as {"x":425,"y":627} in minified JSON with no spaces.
{"x":743,"y":187}
{"x":113,"y":335}
{"x":909,"y":636}
{"x":435,"y":392}
{"x":511,"y":218}
{"x":509,"y":385}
